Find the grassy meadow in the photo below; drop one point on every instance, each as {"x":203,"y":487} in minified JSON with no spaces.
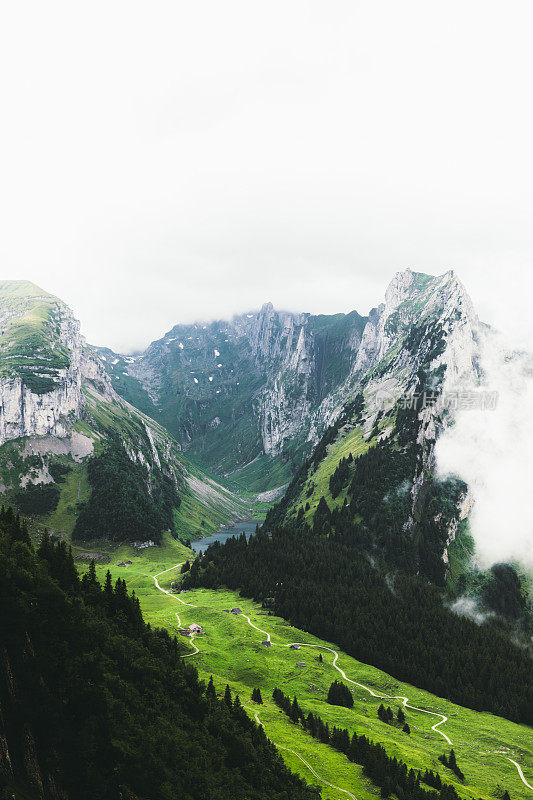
{"x":232,"y":652}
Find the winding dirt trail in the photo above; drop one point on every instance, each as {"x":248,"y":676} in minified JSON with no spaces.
{"x":405,"y":700}
{"x":519,"y":768}
{"x":196,"y":650}
{"x":170,"y":594}
{"x":165,"y":591}
{"x":302,"y":759}
{"x":254,"y":711}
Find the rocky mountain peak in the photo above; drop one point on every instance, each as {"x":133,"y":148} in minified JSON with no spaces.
{"x":43,"y":363}
{"x":270,"y":381}
{"x":398,"y":289}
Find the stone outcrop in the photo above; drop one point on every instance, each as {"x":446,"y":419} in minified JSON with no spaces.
{"x":25,"y":411}
{"x":270,"y":368}
{"x":265,"y":381}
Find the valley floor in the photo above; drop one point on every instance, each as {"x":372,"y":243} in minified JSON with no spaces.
{"x":494,"y":754}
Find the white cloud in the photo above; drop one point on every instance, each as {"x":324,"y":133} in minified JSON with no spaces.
{"x":468,"y":607}
{"x":491,"y":450}
{"x":297,"y":152}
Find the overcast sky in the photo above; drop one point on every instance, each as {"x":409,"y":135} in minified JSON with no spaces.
{"x":164,"y":162}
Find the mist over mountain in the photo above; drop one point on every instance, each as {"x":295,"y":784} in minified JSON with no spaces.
{"x":491,"y":452}
{"x":266,"y":394}
{"x":60,"y":415}
{"x":250,"y":400}
{"x":389,"y":453}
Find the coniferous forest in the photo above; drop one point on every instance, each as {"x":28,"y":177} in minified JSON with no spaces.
{"x":96,"y":704}
{"x":123,"y":503}
{"x":328,"y":586}
{"x":377,"y":507}
{"x":391,"y":774}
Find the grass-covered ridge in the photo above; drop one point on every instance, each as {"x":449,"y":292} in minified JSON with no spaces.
{"x":232,"y":652}
{"x":398,"y":622}
{"x":30,"y":344}
{"x":53,"y":480}
{"x":97,"y":704}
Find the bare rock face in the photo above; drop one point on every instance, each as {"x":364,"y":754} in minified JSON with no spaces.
{"x":428,"y":326}
{"x":269,"y":381}
{"x":232,"y":391}
{"x":24,"y":413}
{"x":250,"y":383}
{"x":385,"y":359}
{"x":286,"y":401}
{"x":46,"y":362}
{"x":27,"y":412}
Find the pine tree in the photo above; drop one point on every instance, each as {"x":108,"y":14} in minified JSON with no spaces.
{"x":108,"y":587}
{"x":45,"y":545}
{"x":400,"y":716}
{"x":295,"y":712}
{"x":322,"y":518}
{"x":256,"y":696}
{"x":406,"y":728}
{"x":340,"y":695}
{"x":210,"y":691}
{"x":89,"y":582}
{"x":227,"y":697}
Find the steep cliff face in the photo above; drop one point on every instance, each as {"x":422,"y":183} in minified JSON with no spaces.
{"x":417,"y":360}
{"x":427,"y":352}
{"x":319,"y":355}
{"x":250,"y":398}
{"x":234,"y":392}
{"x":58,"y":408}
{"x":40,"y":363}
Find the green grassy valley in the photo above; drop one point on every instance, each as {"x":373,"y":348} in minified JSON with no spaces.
{"x":266,"y":383}
{"x":95,"y":703}
{"x":232,"y":651}
{"x":276,"y":413}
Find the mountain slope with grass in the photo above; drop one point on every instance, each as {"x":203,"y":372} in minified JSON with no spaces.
{"x":239,"y":394}
{"x":62,"y":423}
{"x":231,"y":649}
{"x":374,"y":469}
{"x":346,"y":396}
{"x":398,"y":623}
{"x":94,"y":703}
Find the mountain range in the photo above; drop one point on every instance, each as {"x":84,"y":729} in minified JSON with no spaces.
{"x":329,"y":426}
{"x":59,"y":411}
{"x":229,"y":411}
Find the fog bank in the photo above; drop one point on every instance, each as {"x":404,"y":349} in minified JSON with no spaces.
{"x":492,"y":451}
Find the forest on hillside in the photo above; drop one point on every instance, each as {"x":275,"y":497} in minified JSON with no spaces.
{"x":376,"y":486}
{"x":96,"y":704}
{"x":330,"y":587}
{"x":127,"y":500}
